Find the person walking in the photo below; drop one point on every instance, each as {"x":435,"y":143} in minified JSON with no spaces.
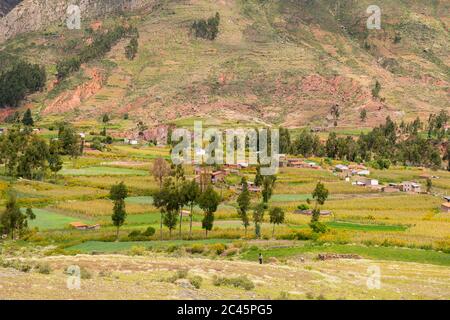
{"x":260,"y":258}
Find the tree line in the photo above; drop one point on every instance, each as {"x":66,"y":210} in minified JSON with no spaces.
{"x":22,"y":79}
{"x":207,"y":29}
{"x":101,"y":44}
{"x":26,"y":155}
{"x":177,"y":192}
{"x":13,"y":221}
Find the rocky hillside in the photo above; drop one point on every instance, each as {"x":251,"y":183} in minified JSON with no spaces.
{"x":277,"y":62}
{"x":32,"y":15}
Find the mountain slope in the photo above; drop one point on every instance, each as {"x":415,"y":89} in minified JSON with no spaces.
{"x":278,"y":62}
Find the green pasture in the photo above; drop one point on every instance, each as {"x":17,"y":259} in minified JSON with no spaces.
{"x":103,"y":171}
{"x":48,"y":220}
{"x":110,"y":247}
{"x":376,"y":253}
{"x":140,"y":200}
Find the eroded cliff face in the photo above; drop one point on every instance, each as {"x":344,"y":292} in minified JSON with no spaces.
{"x":32,"y":15}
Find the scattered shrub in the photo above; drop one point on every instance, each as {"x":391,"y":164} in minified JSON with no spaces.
{"x":180,"y":274}
{"x":134,"y":234}
{"x":105,"y":274}
{"x":150,"y":231}
{"x":197,"y":248}
{"x":207,"y":29}
{"x":44,"y":268}
{"x":230,"y":252}
{"x":137,"y":250}
{"x":318,"y":227}
{"x":196,"y":281}
{"x":172,"y":248}
{"x":217,"y":248}
{"x":85,"y":274}
{"x":283,"y":296}
{"x":303,"y":207}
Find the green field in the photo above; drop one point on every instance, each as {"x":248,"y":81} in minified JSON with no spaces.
{"x":109,"y":247}
{"x":350,"y":226}
{"x":364,"y":227}
{"x":48,"y":220}
{"x":290,"y":197}
{"x":377,"y":253}
{"x":140,"y":200}
{"x":103,"y":171}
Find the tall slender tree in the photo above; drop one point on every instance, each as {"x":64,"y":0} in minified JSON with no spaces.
{"x":243,"y":201}
{"x":118,"y":193}
{"x":12,"y":219}
{"x":320,"y":194}
{"x":27,"y":119}
{"x":190,"y":193}
{"x":168,"y":201}
{"x":55,"y":162}
{"x":160,"y":170}
{"x":208,"y":201}
{"x":268,"y":186}
{"x":276,"y":217}
{"x":258,"y":217}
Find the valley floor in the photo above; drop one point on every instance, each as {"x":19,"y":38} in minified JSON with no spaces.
{"x":146,"y":277}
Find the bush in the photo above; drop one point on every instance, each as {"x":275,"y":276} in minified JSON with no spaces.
{"x":318,"y":227}
{"x":196,"y":281}
{"x":207,"y":29}
{"x":299,"y":235}
{"x":303,"y":207}
{"x":85,"y":273}
{"x":238,"y":282}
{"x":197,"y":248}
{"x":134,"y":234}
{"x":150,"y":231}
{"x":180,"y":274}
{"x":218,"y":248}
{"x":137,"y":250}
{"x":44,"y":268}
{"x":24,"y":267}
{"x":172,"y":248}
{"x":15,"y":264}
{"x":230,"y":252}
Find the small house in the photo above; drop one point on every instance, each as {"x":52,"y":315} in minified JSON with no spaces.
{"x":252,"y":187}
{"x":445,"y":207}
{"x":363,"y":173}
{"x":83,"y":226}
{"x":364,"y":181}
{"x":217,"y":176}
{"x":79,"y":225}
{"x":390,"y":189}
{"x":408,"y":186}
{"x":243,"y":165}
